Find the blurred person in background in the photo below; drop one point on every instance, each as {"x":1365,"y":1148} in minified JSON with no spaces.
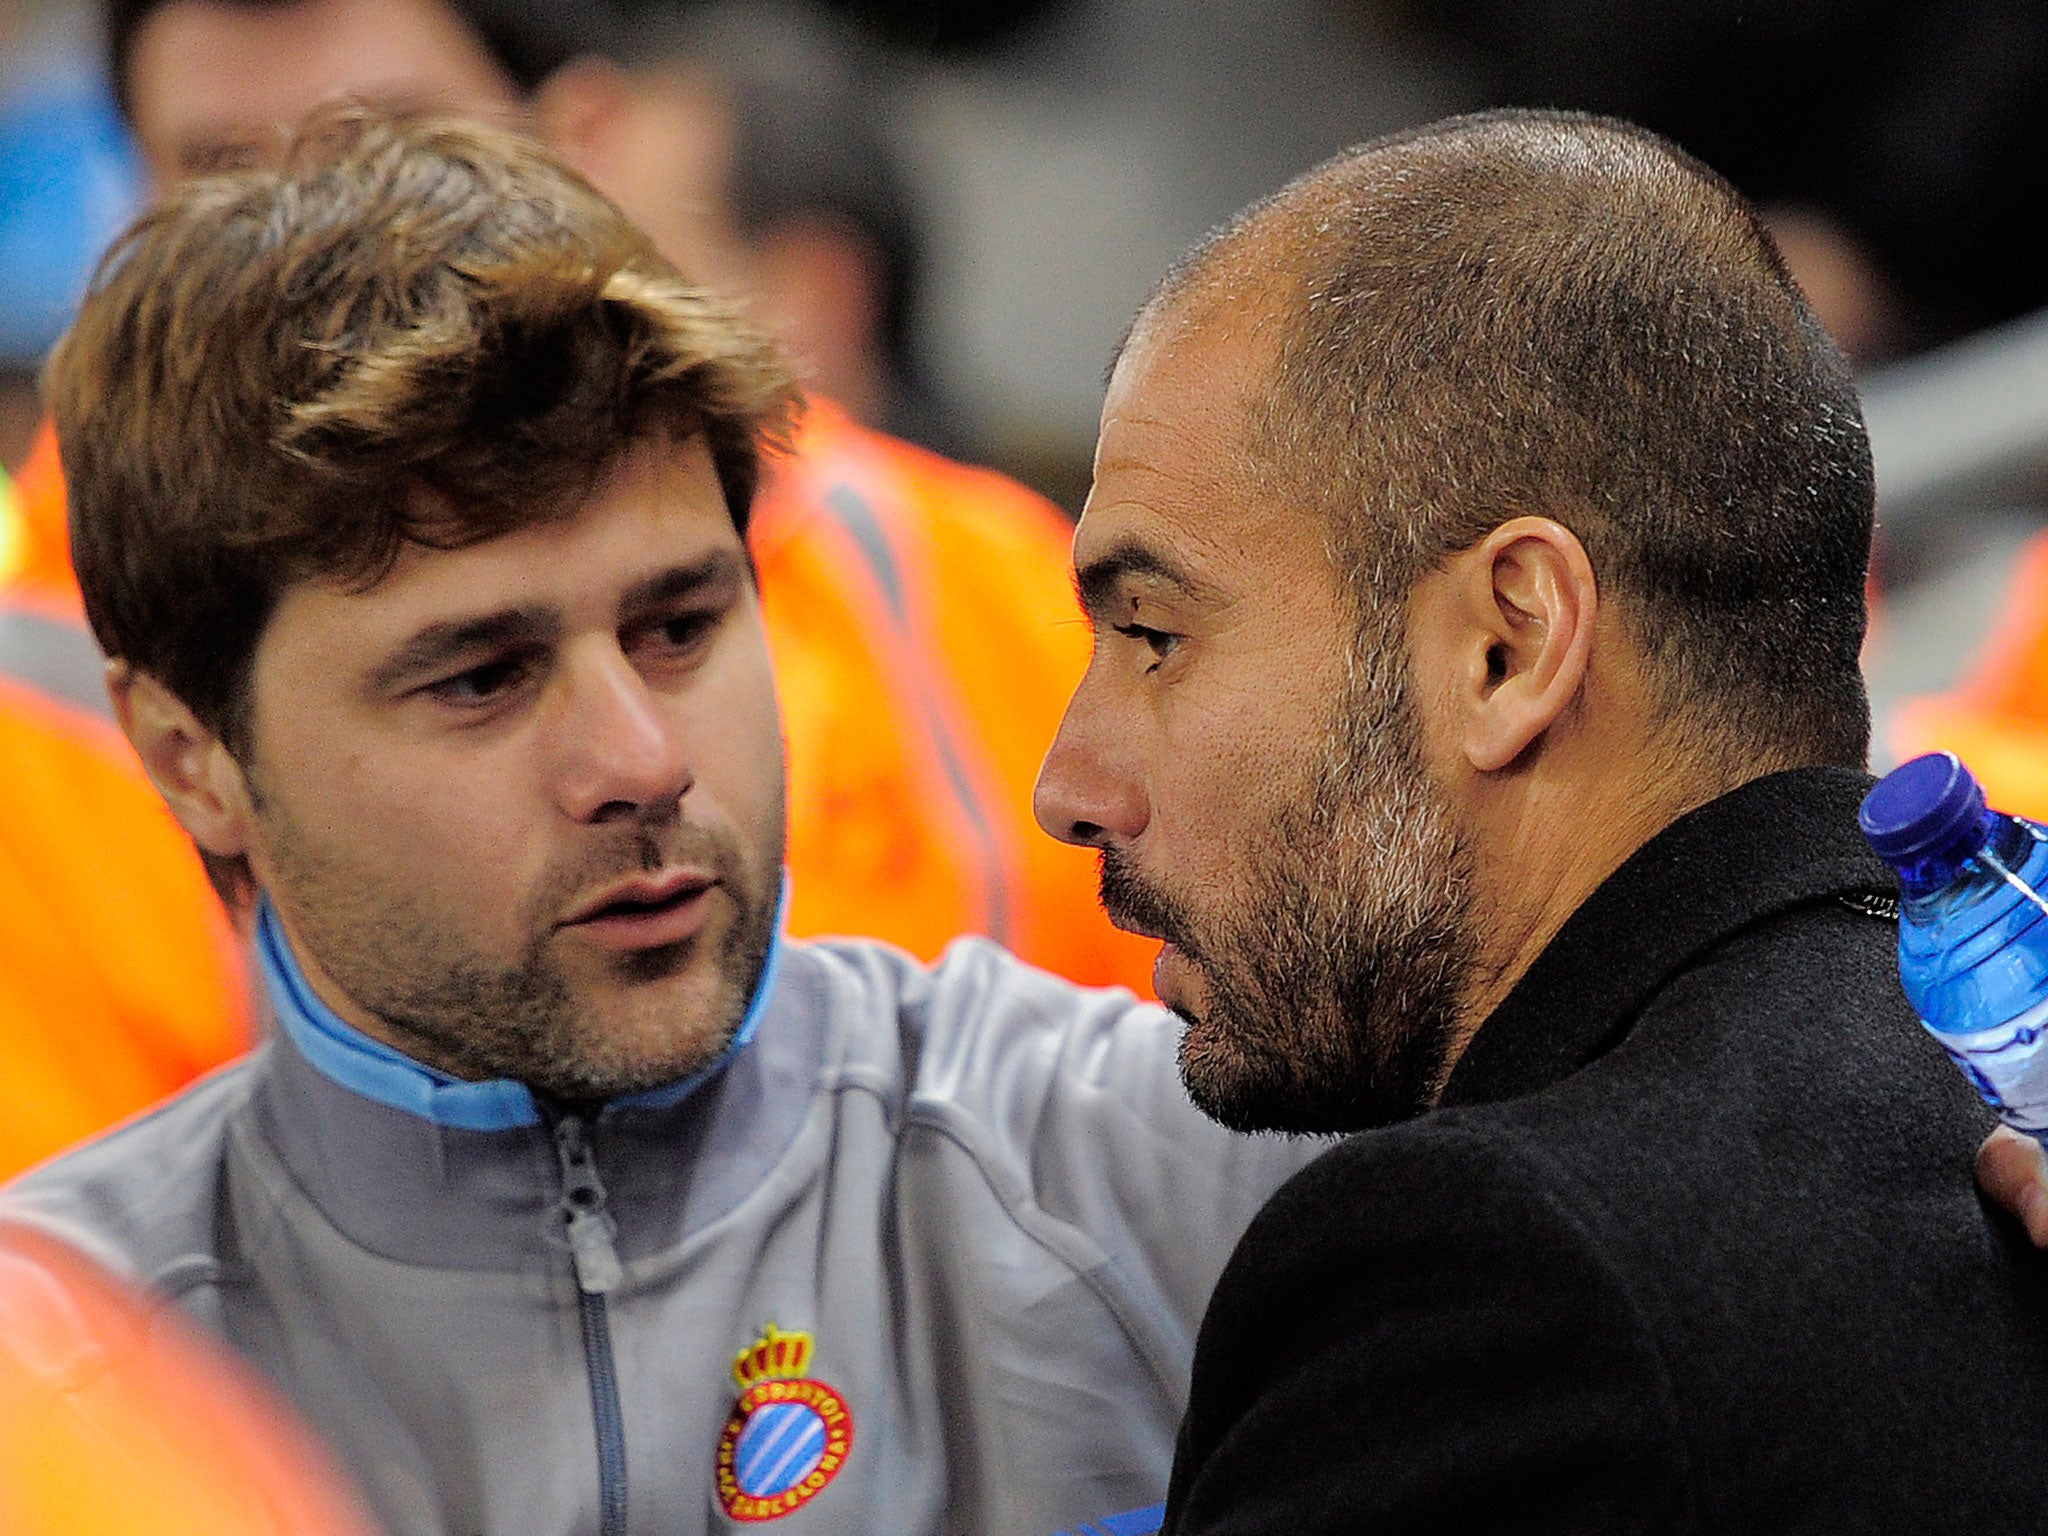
{"x":1996,"y":717}
{"x":412,"y":489}
{"x":68,"y":183}
{"x":119,"y":976}
{"x":1840,"y":279}
{"x":752,"y":140}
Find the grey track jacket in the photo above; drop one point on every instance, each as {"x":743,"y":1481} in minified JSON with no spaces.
{"x":926,"y":1257}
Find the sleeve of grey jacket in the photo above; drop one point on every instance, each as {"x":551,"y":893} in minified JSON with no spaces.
{"x":1078,"y":1097}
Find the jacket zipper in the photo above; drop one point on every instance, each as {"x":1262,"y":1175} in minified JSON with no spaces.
{"x":594,"y":1251}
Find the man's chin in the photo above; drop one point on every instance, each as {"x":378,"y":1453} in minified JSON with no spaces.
{"x":665,"y":1032}
{"x":1255,"y":1088}
{"x":607,"y":1068}
{"x":1222,"y":1081}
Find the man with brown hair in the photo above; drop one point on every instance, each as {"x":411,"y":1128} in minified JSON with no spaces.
{"x":1491,"y":501}
{"x":410,"y":493}
{"x":917,"y":609}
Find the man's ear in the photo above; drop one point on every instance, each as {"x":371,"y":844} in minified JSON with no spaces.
{"x":1513,"y":626}
{"x":192,"y":769}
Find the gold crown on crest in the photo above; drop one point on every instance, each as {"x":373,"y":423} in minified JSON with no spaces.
{"x":775,"y":1356}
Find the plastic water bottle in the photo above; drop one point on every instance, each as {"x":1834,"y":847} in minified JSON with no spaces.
{"x":1973,"y":928}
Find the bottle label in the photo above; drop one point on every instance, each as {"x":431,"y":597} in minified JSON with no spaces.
{"x":2008,"y":1065}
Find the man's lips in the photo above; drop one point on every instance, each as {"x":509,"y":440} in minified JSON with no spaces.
{"x":1170,"y":953}
{"x":1140,"y":930}
{"x":645,"y":911}
{"x":1123,"y":919}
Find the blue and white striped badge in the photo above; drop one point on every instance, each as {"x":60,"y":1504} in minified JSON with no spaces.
{"x":789,"y":1433}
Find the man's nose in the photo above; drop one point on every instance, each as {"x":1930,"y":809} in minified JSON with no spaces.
{"x":618,"y":752}
{"x":1088,"y":791}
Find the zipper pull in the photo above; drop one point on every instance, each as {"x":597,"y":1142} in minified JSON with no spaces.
{"x":591,"y":1229}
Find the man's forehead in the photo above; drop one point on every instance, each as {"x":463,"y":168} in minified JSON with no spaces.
{"x":1173,"y":466}
{"x":661,"y":507}
{"x":1191,"y":381}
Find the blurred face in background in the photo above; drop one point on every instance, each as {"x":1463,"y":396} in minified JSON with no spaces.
{"x":661,"y":141}
{"x":212,"y":84}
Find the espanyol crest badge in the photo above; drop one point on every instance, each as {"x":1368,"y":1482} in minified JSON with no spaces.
{"x":788,"y":1435}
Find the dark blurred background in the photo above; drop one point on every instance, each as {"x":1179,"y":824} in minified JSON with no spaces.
{"x":1011,"y":177}
{"x":1070,"y":147}
{"x":1056,"y":154}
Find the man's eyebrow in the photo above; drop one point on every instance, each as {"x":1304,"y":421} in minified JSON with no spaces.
{"x":722,"y":568}
{"x":440,"y":644}
{"x":1097,"y":583}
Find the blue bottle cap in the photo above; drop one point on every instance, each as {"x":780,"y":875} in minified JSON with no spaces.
{"x":1928,"y":810}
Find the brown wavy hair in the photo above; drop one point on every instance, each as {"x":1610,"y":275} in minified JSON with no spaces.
{"x":407,"y":332}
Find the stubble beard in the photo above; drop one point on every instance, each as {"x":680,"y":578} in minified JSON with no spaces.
{"x":1336,"y":967}
{"x":452,"y":1007}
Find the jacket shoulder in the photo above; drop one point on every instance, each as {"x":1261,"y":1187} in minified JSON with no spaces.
{"x":1064,"y":1103}
{"x":143,"y":1198}
{"x":999,"y":1042}
{"x":984,"y":1034}
{"x":1786,"y":1046}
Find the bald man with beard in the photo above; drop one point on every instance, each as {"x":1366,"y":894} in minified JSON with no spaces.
{"x":1491,"y":500}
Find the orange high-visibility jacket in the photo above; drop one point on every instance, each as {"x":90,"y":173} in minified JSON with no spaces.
{"x":120,"y":980}
{"x":925,"y":641}
{"x":117,"y":1416}
{"x":1996,"y":720}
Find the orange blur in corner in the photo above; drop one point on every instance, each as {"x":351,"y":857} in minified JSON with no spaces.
{"x":38,"y":553}
{"x":117,"y":1418}
{"x":1996,"y":720}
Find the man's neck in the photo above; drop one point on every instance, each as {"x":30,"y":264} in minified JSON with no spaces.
{"x":1550,"y":841}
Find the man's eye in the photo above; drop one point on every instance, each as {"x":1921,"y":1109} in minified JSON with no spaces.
{"x":479,"y":685}
{"x":1159,"y":641}
{"x":685,"y":631}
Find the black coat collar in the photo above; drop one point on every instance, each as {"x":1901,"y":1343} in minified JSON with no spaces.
{"x":1777,"y":842}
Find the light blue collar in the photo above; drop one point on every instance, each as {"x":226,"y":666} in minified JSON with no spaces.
{"x":377,"y":1071}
